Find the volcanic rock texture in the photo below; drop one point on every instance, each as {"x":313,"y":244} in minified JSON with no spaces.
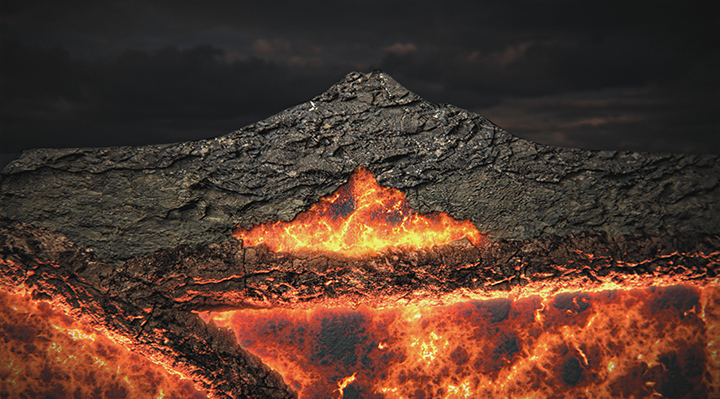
{"x":150,"y":300}
{"x":129,"y":201}
{"x":135,"y":239}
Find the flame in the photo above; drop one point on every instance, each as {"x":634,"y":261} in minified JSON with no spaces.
{"x":360,"y":218}
{"x":639,"y":342}
{"x":342,"y":384}
{"x":45,"y":353}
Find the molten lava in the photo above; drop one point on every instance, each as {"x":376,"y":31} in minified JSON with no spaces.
{"x":628,"y":342}
{"x":46,"y":354}
{"x":651,"y":342}
{"x":360,"y":218}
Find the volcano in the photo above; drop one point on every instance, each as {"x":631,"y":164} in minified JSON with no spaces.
{"x":365,"y":244}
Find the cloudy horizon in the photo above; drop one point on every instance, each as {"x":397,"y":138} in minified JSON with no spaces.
{"x":641,"y":76}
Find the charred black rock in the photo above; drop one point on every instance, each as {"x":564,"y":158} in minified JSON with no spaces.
{"x":130,"y":201}
{"x":150,"y":300}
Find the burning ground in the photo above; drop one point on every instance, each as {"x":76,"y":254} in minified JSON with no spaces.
{"x":603,"y":340}
{"x":608,"y":343}
{"x":46,"y":353}
{"x":520,"y":270}
{"x":569,"y":315}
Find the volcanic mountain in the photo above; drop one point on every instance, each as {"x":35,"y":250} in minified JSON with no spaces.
{"x":179,"y":252}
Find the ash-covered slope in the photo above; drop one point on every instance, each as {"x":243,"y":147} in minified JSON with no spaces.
{"x":131,"y":201}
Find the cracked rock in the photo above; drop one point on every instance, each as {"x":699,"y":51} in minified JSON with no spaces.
{"x":126,"y":202}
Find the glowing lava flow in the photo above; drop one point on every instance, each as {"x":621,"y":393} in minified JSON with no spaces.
{"x":635,"y":343}
{"x":360,"y":218}
{"x":46,"y":354}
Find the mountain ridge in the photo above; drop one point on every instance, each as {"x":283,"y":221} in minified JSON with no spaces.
{"x":130,"y":201}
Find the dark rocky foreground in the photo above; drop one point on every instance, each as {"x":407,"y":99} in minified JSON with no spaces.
{"x":131,"y":201}
{"x":149,"y":300}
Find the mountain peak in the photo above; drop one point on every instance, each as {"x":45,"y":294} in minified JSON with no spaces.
{"x":375,"y":88}
{"x":444,"y":158}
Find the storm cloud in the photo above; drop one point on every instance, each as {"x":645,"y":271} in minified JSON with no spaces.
{"x":593,"y":74}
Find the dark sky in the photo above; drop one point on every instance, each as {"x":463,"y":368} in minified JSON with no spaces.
{"x":626,"y":75}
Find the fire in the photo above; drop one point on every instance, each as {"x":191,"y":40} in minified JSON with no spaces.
{"x":640,"y":342}
{"x":342,"y":384}
{"x":360,"y":218}
{"x":45,"y":353}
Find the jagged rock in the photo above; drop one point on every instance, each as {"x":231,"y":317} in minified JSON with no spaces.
{"x":130,"y":201}
{"x":150,"y":300}
{"x":148,"y":228}
{"x":55,"y":269}
{"x":227,"y":275}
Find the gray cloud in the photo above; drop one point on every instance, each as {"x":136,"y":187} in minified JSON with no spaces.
{"x":596,"y":74}
{"x":139,"y":97}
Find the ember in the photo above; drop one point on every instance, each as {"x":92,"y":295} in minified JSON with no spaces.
{"x":611,"y":343}
{"x":360,"y":218}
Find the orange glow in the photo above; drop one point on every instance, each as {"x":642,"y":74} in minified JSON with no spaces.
{"x":342,"y":384}
{"x":360,"y":218}
{"x":45,"y":353}
{"x":640,"y":342}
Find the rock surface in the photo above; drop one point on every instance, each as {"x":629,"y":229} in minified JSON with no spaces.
{"x":130,"y":201}
{"x":149,"y":301}
{"x":55,"y":269}
{"x":229,"y":276}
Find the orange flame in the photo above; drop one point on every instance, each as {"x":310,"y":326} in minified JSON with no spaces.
{"x":360,"y":218}
{"x":46,"y":353}
{"x":342,"y":384}
{"x":657,"y":341}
